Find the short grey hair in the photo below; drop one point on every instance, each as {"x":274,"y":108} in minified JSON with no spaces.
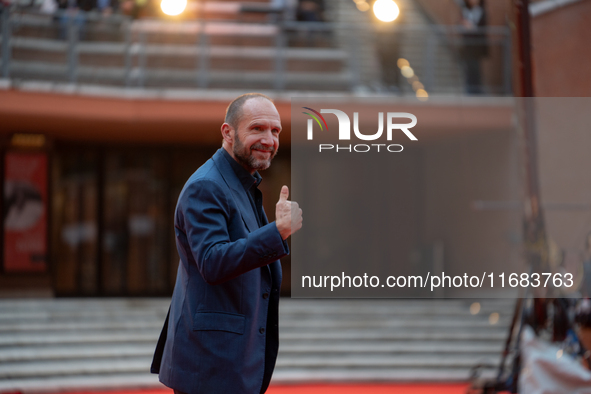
{"x":234,"y":110}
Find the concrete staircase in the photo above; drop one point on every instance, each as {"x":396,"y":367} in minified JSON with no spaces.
{"x":75,"y":344}
{"x":236,"y":46}
{"x":428,"y":52}
{"x":240,"y":47}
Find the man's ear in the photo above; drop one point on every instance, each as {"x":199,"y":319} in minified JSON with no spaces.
{"x":228,"y":133}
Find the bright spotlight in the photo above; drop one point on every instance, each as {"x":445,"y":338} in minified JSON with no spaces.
{"x":362,"y":6}
{"x":407,"y":71}
{"x":493,"y":318}
{"x":173,"y":7}
{"x":422,"y":95}
{"x":386,"y":10}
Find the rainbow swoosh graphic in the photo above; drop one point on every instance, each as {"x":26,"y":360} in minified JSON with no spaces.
{"x":316,"y":118}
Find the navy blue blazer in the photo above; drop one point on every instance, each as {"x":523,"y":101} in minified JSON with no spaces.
{"x":223,"y":318}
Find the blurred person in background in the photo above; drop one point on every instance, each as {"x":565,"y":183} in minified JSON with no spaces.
{"x":586,"y":284}
{"x":136,"y":8}
{"x":583,"y":327}
{"x":107,"y":7}
{"x":310,"y":11}
{"x":48,"y":7}
{"x":474,"y":43}
{"x":389,"y":38}
{"x":72,"y":12}
{"x":221,"y":334}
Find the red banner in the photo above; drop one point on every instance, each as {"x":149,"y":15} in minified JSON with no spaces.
{"x":25,"y":212}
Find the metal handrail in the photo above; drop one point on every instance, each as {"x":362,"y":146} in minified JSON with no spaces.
{"x":133,"y":45}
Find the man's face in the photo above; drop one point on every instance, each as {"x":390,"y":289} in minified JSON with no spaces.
{"x":256,"y":138}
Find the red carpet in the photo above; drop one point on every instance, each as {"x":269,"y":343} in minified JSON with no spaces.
{"x":370,"y":388}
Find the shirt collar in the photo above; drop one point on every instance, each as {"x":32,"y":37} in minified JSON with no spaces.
{"x":246,"y":179}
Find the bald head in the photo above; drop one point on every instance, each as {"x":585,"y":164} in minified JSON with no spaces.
{"x":234,"y":111}
{"x":251,"y":131}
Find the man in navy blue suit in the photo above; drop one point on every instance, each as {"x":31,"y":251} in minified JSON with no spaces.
{"x":221,"y":334}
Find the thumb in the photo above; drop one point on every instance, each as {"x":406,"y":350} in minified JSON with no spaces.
{"x":284,"y":194}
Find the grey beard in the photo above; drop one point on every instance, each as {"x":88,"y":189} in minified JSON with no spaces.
{"x":250,"y":161}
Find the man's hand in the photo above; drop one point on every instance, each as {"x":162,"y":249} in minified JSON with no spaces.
{"x":288,"y":214}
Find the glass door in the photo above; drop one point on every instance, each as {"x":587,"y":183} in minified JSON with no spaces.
{"x":136,"y":220}
{"x":74,"y":229}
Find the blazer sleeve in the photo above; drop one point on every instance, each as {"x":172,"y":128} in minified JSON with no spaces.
{"x":204,"y":214}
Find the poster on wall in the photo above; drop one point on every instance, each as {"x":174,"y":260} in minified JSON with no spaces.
{"x":25,"y":212}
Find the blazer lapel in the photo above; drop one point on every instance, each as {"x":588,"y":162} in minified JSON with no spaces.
{"x":243,"y":202}
{"x":238,"y":191}
{"x":268,"y":266}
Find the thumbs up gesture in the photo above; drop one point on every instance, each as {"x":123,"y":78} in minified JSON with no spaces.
{"x":288,"y":214}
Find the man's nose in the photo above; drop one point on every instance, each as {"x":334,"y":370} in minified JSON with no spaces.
{"x":268,"y":138}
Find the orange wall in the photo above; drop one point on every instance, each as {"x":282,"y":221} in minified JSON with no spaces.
{"x":83,"y":118}
{"x":562,"y":59}
{"x":142,"y":121}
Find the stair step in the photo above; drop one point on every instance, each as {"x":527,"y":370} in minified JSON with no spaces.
{"x":387,"y":347}
{"x":433,"y":335}
{"x":58,"y":384}
{"x":287,"y":349}
{"x":65,"y":338}
{"x":381,"y":361}
{"x":373,"y":375}
{"x":20,"y":354}
{"x":74,"y":367}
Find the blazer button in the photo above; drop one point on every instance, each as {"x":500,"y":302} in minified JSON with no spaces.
{"x":265,"y":296}
{"x":262,"y":330}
